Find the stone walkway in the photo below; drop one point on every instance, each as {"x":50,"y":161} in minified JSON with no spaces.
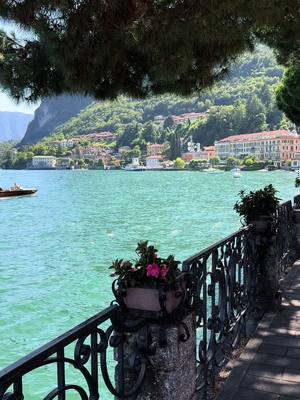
{"x":269,"y":369}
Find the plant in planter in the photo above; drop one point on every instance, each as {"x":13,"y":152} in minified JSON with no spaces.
{"x":150,"y":283}
{"x":257,"y":207}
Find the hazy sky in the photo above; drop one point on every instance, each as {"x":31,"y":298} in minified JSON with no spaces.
{"x":6,"y":103}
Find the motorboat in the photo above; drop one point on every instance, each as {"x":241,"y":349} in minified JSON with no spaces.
{"x":16,"y":192}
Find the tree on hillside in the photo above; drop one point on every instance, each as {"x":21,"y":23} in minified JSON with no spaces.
{"x":256,"y":113}
{"x":149,"y":133}
{"x":288,"y":94}
{"x":174,"y":137}
{"x":135,"y":46}
{"x":168,"y":122}
{"x":131,"y":132}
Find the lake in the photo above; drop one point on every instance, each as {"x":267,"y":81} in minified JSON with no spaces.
{"x":56,"y":247}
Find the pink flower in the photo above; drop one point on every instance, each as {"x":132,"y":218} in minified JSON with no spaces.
{"x":164,"y":272}
{"x":153,"y":270}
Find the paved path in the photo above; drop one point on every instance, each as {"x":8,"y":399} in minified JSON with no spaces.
{"x":269,"y":369}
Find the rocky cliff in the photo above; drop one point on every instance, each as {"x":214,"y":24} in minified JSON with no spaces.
{"x":53,"y":112}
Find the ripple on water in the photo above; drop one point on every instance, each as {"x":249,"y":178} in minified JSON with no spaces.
{"x":55,"y":247}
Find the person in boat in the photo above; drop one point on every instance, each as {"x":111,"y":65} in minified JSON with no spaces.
{"x":16,"y":187}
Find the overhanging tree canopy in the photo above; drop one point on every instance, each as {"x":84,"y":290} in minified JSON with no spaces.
{"x":288,"y":94}
{"x":107,"y":47}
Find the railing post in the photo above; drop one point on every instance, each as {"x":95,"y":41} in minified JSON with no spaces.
{"x":274,"y":253}
{"x":171,"y":369}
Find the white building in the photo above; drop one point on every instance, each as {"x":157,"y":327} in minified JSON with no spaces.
{"x":153,"y":162}
{"x":64,"y":144}
{"x":43,"y":162}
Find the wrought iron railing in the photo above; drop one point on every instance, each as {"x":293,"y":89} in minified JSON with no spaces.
{"x":285,"y":235}
{"x":223,"y":296}
{"x":90,"y":341}
{"x":222,"y":289}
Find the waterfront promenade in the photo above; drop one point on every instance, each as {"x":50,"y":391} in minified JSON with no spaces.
{"x":269,"y":368}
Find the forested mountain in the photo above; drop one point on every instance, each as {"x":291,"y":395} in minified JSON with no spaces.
{"x":51,"y":113}
{"x":13,"y":125}
{"x":243,"y":102}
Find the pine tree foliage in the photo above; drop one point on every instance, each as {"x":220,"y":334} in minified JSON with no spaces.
{"x":104,"y":48}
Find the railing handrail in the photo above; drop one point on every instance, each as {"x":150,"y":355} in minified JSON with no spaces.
{"x":285,"y":203}
{"x":209,"y":249}
{"x":25,"y":364}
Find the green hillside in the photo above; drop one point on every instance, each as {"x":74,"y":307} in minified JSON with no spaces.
{"x":243,"y":102}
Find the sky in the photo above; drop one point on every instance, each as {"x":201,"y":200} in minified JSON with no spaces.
{"x":6,"y":102}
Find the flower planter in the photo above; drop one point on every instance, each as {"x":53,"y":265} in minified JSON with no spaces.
{"x":148,"y":299}
{"x":262,"y":224}
{"x":151,"y":286}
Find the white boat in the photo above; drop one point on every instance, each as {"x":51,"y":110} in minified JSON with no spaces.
{"x":134,"y":166}
{"x":236,"y":172}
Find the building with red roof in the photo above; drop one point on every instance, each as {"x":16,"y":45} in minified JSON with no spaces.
{"x":279,"y":146}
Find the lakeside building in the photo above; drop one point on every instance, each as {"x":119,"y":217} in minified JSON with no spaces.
{"x":100,"y":137}
{"x":43,"y":162}
{"x":207,"y":153}
{"x":279,"y":146}
{"x":65,"y":143}
{"x":155,"y":149}
{"x":181,"y":118}
{"x":83,"y":151}
{"x":153,"y":162}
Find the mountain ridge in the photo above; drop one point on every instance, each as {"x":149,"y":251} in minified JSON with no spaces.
{"x":13,"y":125}
{"x":53,"y":112}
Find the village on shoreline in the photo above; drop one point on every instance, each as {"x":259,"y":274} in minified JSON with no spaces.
{"x":250,"y":152}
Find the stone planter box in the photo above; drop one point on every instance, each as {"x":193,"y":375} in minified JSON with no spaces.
{"x":148,"y":299}
{"x":262,"y":225}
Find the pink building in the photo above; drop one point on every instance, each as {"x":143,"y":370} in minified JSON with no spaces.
{"x":207,"y":153}
{"x":279,"y":146}
{"x":155,"y":149}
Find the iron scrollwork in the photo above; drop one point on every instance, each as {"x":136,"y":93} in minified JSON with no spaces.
{"x":91,"y":344}
{"x":222,"y":287}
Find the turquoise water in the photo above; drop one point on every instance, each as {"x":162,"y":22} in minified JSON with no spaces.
{"x":56,"y":247}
